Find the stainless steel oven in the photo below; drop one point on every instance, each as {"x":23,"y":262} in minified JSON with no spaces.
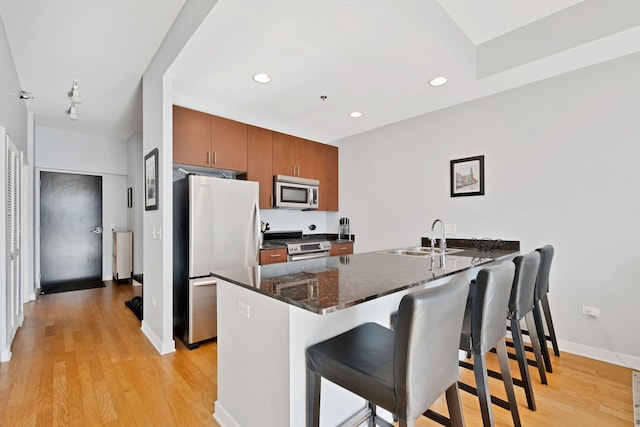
{"x":308,"y":250}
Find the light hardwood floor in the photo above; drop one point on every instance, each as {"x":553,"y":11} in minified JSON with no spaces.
{"x":80,"y":359}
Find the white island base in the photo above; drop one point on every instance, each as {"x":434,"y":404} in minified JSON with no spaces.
{"x":261,"y":356}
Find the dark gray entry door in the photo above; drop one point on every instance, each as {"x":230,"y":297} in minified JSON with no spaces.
{"x":70,"y":228}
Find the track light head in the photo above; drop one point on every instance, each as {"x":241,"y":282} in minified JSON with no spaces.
{"x":73,"y":114}
{"x":74,"y":95}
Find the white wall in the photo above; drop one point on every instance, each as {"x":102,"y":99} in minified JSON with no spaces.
{"x":14,"y":120}
{"x":561,"y":167}
{"x":13,"y":111}
{"x":135,"y":181}
{"x":69,"y":152}
{"x":157,"y":99}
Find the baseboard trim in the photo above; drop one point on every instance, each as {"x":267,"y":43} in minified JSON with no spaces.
{"x":599,"y":354}
{"x":5,"y":356}
{"x":162,"y":347}
{"x":223,"y":417}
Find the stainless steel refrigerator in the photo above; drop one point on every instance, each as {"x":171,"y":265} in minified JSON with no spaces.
{"x":216,"y":225}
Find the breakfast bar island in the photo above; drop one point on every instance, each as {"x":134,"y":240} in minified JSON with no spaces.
{"x":269,"y":315}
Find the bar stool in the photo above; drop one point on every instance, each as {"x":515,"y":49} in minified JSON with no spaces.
{"x":483,"y":328}
{"x":521,"y":307}
{"x":403,"y":372}
{"x":541,"y":299}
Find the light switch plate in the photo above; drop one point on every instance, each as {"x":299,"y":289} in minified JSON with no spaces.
{"x":450,"y":228}
{"x":244,"y":309}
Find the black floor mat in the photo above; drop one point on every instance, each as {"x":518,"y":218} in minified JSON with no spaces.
{"x":135,"y":305}
{"x":67,"y":287}
{"x":138,"y":278}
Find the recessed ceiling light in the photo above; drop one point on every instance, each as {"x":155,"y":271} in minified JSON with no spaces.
{"x":355,"y":114}
{"x":438,"y":81}
{"x":262,"y":78}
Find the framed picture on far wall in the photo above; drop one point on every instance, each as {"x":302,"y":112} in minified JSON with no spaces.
{"x":151,"y":180}
{"x":467,"y":176}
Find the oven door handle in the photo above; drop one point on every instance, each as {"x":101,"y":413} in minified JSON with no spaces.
{"x":300,"y":257}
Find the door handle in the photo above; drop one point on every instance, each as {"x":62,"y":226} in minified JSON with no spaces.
{"x":97,"y":230}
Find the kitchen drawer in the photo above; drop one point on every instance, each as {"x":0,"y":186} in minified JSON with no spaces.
{"x":272,"y":256}
{"x":345,"y":248}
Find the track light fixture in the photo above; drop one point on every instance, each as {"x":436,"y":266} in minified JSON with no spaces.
{"x":75,"y":99}
{"x":25,"y":95}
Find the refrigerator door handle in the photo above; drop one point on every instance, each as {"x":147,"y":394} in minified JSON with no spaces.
{"x":256,"y":228}
{"x":211,"y":282}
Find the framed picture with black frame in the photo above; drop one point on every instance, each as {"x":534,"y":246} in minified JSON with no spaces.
{"x":467,"y":176}
{"x":151,"y":184}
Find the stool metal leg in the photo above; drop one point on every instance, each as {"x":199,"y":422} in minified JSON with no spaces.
{"x":521,"y":356}
{"x":537,"y":316}
{"x":536,"y":344}
{"x":313,"y":398}
{"x":482,"y":386}
{"x":372,"y":416}
{"x":552,"y":331}
{"x":503,"y":360}
{"x":455,"y":406}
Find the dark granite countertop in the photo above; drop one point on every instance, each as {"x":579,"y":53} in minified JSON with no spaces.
{"x":325,"y":285}
{"x":331,"y":237}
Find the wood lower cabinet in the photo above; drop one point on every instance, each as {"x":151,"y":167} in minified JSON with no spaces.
{"x":345,"y":248}
{"x":260,"y":163}
{"x":273,"y":256}
{"x":326,"y":159}
{"x":293,"y":156}
{"x":191,"y":137}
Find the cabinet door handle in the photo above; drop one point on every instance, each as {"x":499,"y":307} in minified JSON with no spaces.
{"x":215,"y":157}
{"x":208,"y":157}
{"x":275,"y":255}
{"x":344,"y":248}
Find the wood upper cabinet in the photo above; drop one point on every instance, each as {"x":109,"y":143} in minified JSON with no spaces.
{"x":293,"y":156}
{"x":305,"y":157}
{"x":201,"y":139}
{"x":228,"y":144}
{"x":260,"y":163}
{"x":326,"y":164}
{"x":191,"y":137}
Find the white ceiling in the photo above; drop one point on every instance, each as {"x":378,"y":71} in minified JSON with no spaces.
{"x":105,"y":45}
{"x":372,"y":56}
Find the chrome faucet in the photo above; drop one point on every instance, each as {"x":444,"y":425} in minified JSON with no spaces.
{"x":443,"y":241}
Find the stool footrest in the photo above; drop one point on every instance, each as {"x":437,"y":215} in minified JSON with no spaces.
{"x":439,"y":418}
{"x":495,"y":400}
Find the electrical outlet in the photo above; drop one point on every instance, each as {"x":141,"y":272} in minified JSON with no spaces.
{"x":244,"y":309}
{"x":590,"y":311}
{"x":450,"y":228}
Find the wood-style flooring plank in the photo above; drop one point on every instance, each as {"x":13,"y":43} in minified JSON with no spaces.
{"x":80,"y":359}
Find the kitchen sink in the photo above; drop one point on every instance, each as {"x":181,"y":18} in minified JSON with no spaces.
{"x":419,"y":251}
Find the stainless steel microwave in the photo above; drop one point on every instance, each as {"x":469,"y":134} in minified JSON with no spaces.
{"x":292,"y":192}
